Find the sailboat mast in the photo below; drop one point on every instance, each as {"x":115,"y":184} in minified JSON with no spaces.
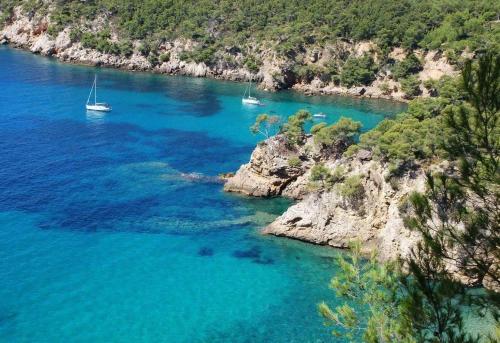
{"x":95,"y":90}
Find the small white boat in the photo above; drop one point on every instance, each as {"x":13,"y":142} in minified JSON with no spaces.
{"x":319,"y":115}
{"x":96,"y":106}
{"x":250,"y":100}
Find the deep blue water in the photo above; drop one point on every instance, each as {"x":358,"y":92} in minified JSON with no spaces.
{"x":103,"y":238}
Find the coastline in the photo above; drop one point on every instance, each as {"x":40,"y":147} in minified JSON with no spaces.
{"x":275,"y":73}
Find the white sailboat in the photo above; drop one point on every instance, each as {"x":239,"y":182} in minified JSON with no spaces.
{"x":96,"y":106}
{"x":319,"y":115}
{"x":250,"y":100}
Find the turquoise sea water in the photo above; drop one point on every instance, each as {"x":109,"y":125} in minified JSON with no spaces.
{"x":103,"y":236}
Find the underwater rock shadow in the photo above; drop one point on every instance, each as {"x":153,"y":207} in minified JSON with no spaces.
{"x":254,"y":253}
{"x":40,"y":160}
{"x":205,"y":251}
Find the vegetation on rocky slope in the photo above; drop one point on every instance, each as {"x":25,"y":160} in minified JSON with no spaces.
{"x":420,"y":299}
{"x":289,"y":30}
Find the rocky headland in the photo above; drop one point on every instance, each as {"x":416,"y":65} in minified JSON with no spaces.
{"x":324,"y":216}
{"x":274,"y":72}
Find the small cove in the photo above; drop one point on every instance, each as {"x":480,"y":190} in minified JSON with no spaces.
{"x":104,"y":238}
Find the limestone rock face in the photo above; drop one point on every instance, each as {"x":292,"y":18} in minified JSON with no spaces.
{"x":270,"y":172}
{"x":328,"y":218}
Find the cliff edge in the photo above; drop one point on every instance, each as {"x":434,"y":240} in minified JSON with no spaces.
{"x":367,"y":209}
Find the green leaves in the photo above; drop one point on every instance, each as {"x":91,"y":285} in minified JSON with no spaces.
{"x":293,"y":129}
{"x":342,"y":132}
{"x":410,"y":65}
{"x":372,"y":308}
{"x":358,"y":71}
{"x":265,"y":124}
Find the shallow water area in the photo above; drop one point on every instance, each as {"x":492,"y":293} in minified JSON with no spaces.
{"x":113,"y":227}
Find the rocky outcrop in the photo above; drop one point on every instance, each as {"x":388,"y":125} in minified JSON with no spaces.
{"x":327,"y":217}
{"x":337,"y":212}
{"x":274,"y":169}
{"x":330,"y":218}
{"x":274,"y":72}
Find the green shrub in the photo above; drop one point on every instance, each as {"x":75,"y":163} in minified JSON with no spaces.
{"x":410,"y":65}
{"x":338,"y":174}
{"x":294,"y":162}
{"x":323,"y":178}
{"x":252,"y":64}
{"x":341,"y":134}
{"x":290,"y":25}
{"x":384,"y":87}
{"x":53,"y":30}
{"x":165,"y":57}
{"x":411,"y":86}
{"x":358,"y":71}
{"x":200,"y":55}
{"x":352,"y":189}
{"x":320,"y":175}
{"x":153,"y":59}
{"x":126,"y":48}
{"x":293,"y":129}
{"x":308,"y":72}
{"x":145,"y":48}
{"x":75,"y":34}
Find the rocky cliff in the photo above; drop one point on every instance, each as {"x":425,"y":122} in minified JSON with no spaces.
{"x":327,"y":216}
{"x":273,"y":72}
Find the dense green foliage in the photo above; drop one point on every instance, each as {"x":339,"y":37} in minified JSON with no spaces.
{"x":358,"y":71}
{"x":471,"y":195}
{"x":339,"y":135}
{"x":323,"y":177}
{"x":417,"y":134}
{"x":457,"y":218}
{"x":293,"y":129}
{"x":294,"y":162}
{"x":410,"y":65}
{"x":383,"y":304}
{"x":352,"y":190}
{"x":375,"y":289}
{"x":447,"y":24}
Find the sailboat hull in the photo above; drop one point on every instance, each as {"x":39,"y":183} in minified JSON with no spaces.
{"x":98,"y":107}
{"x":248,"y":101}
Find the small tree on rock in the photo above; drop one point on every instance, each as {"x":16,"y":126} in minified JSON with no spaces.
{"x":265,"y":125}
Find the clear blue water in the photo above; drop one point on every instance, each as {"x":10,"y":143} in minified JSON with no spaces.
{"x":102,"y":238}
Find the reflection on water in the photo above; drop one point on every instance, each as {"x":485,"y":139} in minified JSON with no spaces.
{"x":95,"y":117}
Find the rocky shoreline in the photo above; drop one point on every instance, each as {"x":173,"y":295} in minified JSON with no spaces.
{"x":326,"y":217}
{"x":274,"y":73}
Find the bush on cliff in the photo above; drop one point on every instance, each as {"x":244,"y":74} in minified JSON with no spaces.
{"x":410,"y":65}
{"x":410,"y":86}
{"x":323,"y":178}
{"x":294,"y":162}
{"x":339,"y":135}
{"x":352,"y":190}
{"x":294,"y":130}
{"x":451,"y":24}
{"x":415,"y":135}
{"x":358,"y":71}
{"x":457,"y":220}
